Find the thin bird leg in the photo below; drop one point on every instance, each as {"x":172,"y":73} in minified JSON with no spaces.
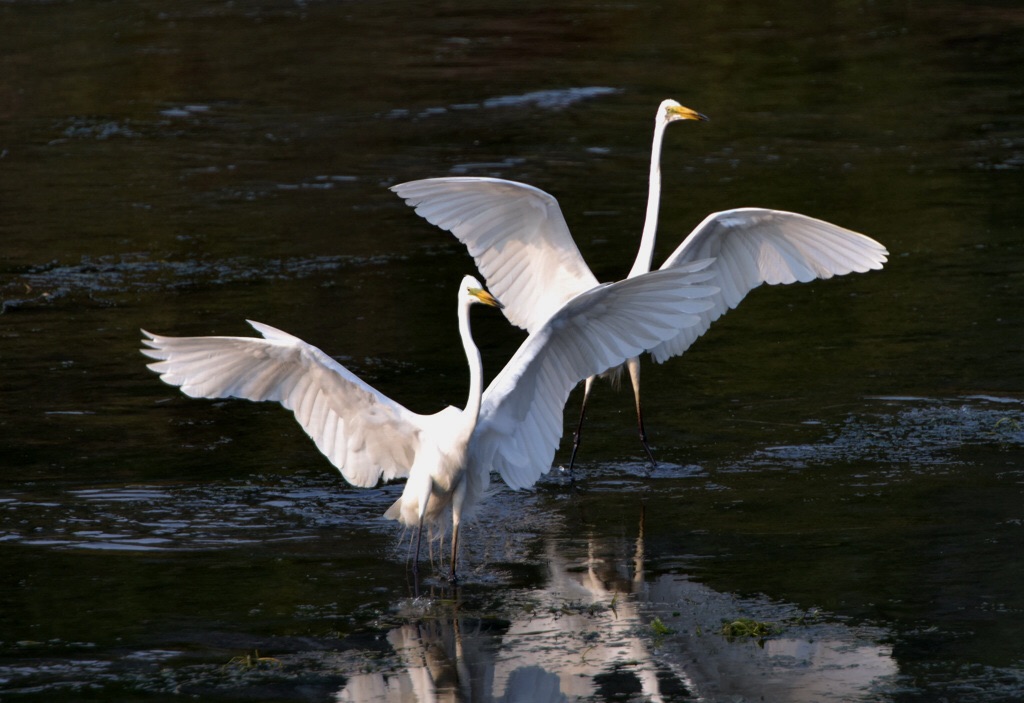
{"x":416,"y":555}
{"x":579,"y":427}
{"x":419,"y":535}
{"x":455,"y":551}
{"x":414,"y":558}
{"x":458,"y":498}
{"x":633,"y":365}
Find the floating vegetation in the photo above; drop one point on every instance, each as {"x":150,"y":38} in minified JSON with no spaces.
{"x":1007,"y":426}
{"x":660,"y":629}
{"x":253,"y":661}
{"x":742,"y":628}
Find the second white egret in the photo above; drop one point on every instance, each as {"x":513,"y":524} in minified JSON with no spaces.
{"x":521,"y":244}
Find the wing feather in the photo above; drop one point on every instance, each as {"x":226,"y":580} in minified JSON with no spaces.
{"x":751,"y":246}
{"x":365,"y":434}
{"x":517,"y":236}
{"x":520,"y":420}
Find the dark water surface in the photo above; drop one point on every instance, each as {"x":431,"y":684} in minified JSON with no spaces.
{"x":840,"y":460}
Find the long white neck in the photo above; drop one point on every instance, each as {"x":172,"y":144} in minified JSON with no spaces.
{"x":476,"y":367}
{"x":643,"y":257}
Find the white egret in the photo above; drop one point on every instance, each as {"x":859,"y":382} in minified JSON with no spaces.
{"x":513,"y":427}
{"x":521,"y":244}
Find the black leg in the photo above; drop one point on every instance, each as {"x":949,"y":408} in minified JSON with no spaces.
{"x":643,"y":435}
{"x":633,"y":366}
{"x":579,"y":427}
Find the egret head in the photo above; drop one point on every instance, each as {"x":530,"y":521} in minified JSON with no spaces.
{"x":671,"y":111}
{"x":475,"y":293}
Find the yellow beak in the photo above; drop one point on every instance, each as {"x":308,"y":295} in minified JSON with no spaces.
{"x":679,"y":112}
{"x":486,"y":298}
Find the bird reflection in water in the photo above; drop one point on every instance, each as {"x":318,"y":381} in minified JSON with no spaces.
{"x":584,"y":638}
{"x":588,"y":637}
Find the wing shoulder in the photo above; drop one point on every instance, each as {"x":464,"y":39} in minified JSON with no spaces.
{"x":517,"y":236}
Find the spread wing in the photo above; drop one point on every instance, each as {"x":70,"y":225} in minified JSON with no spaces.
{"x":365,"y":434}
{"x":520,"y":420}
{"x":752,"y":246}
{"x":517,"y":236}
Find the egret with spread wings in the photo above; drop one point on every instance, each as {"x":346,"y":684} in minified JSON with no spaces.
{"x":446,"y":458}
{"x":521,"y":244}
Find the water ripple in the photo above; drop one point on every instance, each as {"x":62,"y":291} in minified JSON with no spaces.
{"x":144,"y":518}
{"x":921,"y":432}
{"x":554,"y":100}
{"x":109,"y":276}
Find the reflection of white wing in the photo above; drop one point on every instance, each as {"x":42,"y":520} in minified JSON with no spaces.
{"x":516,"y":234}
{"x":364,"y":433}
{"x":752,"y":246}
{"x":521,"y":415}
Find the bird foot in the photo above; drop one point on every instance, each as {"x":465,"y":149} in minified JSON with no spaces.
{"x":650,"y":454}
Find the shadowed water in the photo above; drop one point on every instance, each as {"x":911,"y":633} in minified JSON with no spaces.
{"x":839,"y":462}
